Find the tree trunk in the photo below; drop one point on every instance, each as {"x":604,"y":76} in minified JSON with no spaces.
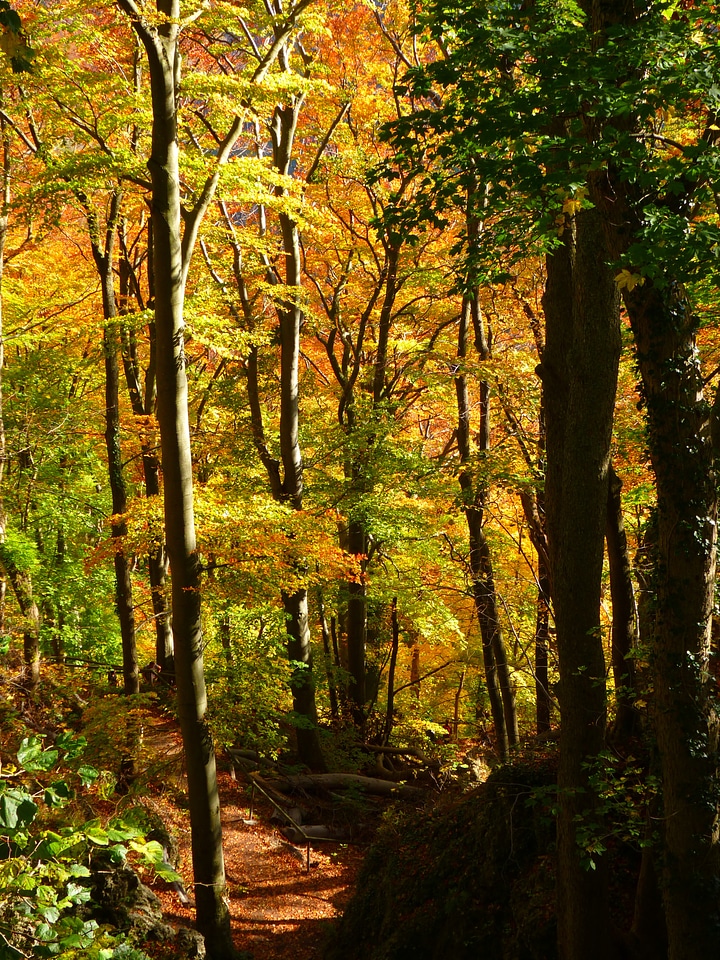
{"x":171,"y":252}
{"x":290,"y":316}
{"x":142,"y":402}
{"x":329,"y":661}
{"x":579,"y":373}
{"x":123,"y":581}
{"x":103,"y":257}
{"x":395,"y":646}
{"x":624,"y":621}
{"x":357,"y":623}
{"x":497,"y":674}
{"x":543,"y":702}
{"x":302,"y":682}
{"x":683,"y":711}
{"x":20,"y":580}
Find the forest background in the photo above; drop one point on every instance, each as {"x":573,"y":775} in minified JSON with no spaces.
{"x":369,"y":324}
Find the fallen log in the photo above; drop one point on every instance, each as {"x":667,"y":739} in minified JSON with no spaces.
{"x":344,"y":781}
{"x":316,"y":831}
{"x":398,"y":752}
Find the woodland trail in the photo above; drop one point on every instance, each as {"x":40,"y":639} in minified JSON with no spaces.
{"x":278,"y":910}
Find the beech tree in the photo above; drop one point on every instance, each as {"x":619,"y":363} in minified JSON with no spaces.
{"x":172,"y":250}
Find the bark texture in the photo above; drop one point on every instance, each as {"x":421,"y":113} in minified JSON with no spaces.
{"x":172,"y":248}
{"x":579,"y":372}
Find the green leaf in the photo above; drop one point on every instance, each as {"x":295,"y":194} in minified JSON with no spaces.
{"x":95,"y":834}
{"x":88,"y":775}
{"x":17,"y":809}
{"x":57,"y":794}
{"x":32,"y":757}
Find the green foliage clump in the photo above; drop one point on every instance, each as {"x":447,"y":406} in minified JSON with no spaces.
{"x":45,"y":868}
{"x":248,"y":679}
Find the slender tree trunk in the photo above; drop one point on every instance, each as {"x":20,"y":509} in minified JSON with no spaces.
{"x":543,"y":702}
{"x":579,"y":372}
{"x":456,"y":707}
{"x":415,"y":672}
{"x":142,"y":402}
{"x":103,"y":257}
{"x":624,"y":621}
{"x":329,"y":661}
{"x":395,"y":646}
{"x":171,"y":251}
{"x":290,"y":317}
{"x":123,"y":581}
{"x":20,"y":580}
{"x":357,"y":623}
{"x":497,"y":674}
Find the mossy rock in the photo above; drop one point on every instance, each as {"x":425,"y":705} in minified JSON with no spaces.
{"x":473,"y":879}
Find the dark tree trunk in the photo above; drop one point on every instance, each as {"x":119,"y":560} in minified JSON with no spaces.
{"x":394,"y":648}
{"x":357,"y":623}
{"x":329,"y":659}
{"x":123,"y":581}
{"x":543,"y":701}
{"x":103,"y":257}
{"x":415,"y":671}
{"x":497,"y":674}
{"x":142,"y":402}
{"x":683,"y":710}
{"x":624,"y":621}
{"x":20,"y":580}
{"x":579,"y":372}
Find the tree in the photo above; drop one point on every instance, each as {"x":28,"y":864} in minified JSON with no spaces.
{"x":654,"y":222}
{"x":579,"y":372}
{"x":21,"y":580}
{"x":172,"y":249}
{"x":282,"y":272}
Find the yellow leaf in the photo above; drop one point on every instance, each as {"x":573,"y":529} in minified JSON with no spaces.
{"x":628,"y":281}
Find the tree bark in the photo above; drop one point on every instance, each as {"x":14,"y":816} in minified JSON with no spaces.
{"x":103,"y":257}
{"x":395,"y":646}
{"x":543,"y":701}
{"x":142,"y":402}
{"x":624,"y":615}
{"x":20,"y":580}
{"x":172,"y":248}
{"x":579,"y":373}
{"x":683,"y":711}
{"x":683,"y":456}
{"x":497,"y":674}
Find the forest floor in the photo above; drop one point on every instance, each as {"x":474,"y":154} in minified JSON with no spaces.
{"x":278,"y":910}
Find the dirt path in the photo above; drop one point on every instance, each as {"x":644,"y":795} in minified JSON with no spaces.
{"x":278,"y":910}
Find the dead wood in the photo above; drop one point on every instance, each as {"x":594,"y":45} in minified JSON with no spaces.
{"x":344,"y":781}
